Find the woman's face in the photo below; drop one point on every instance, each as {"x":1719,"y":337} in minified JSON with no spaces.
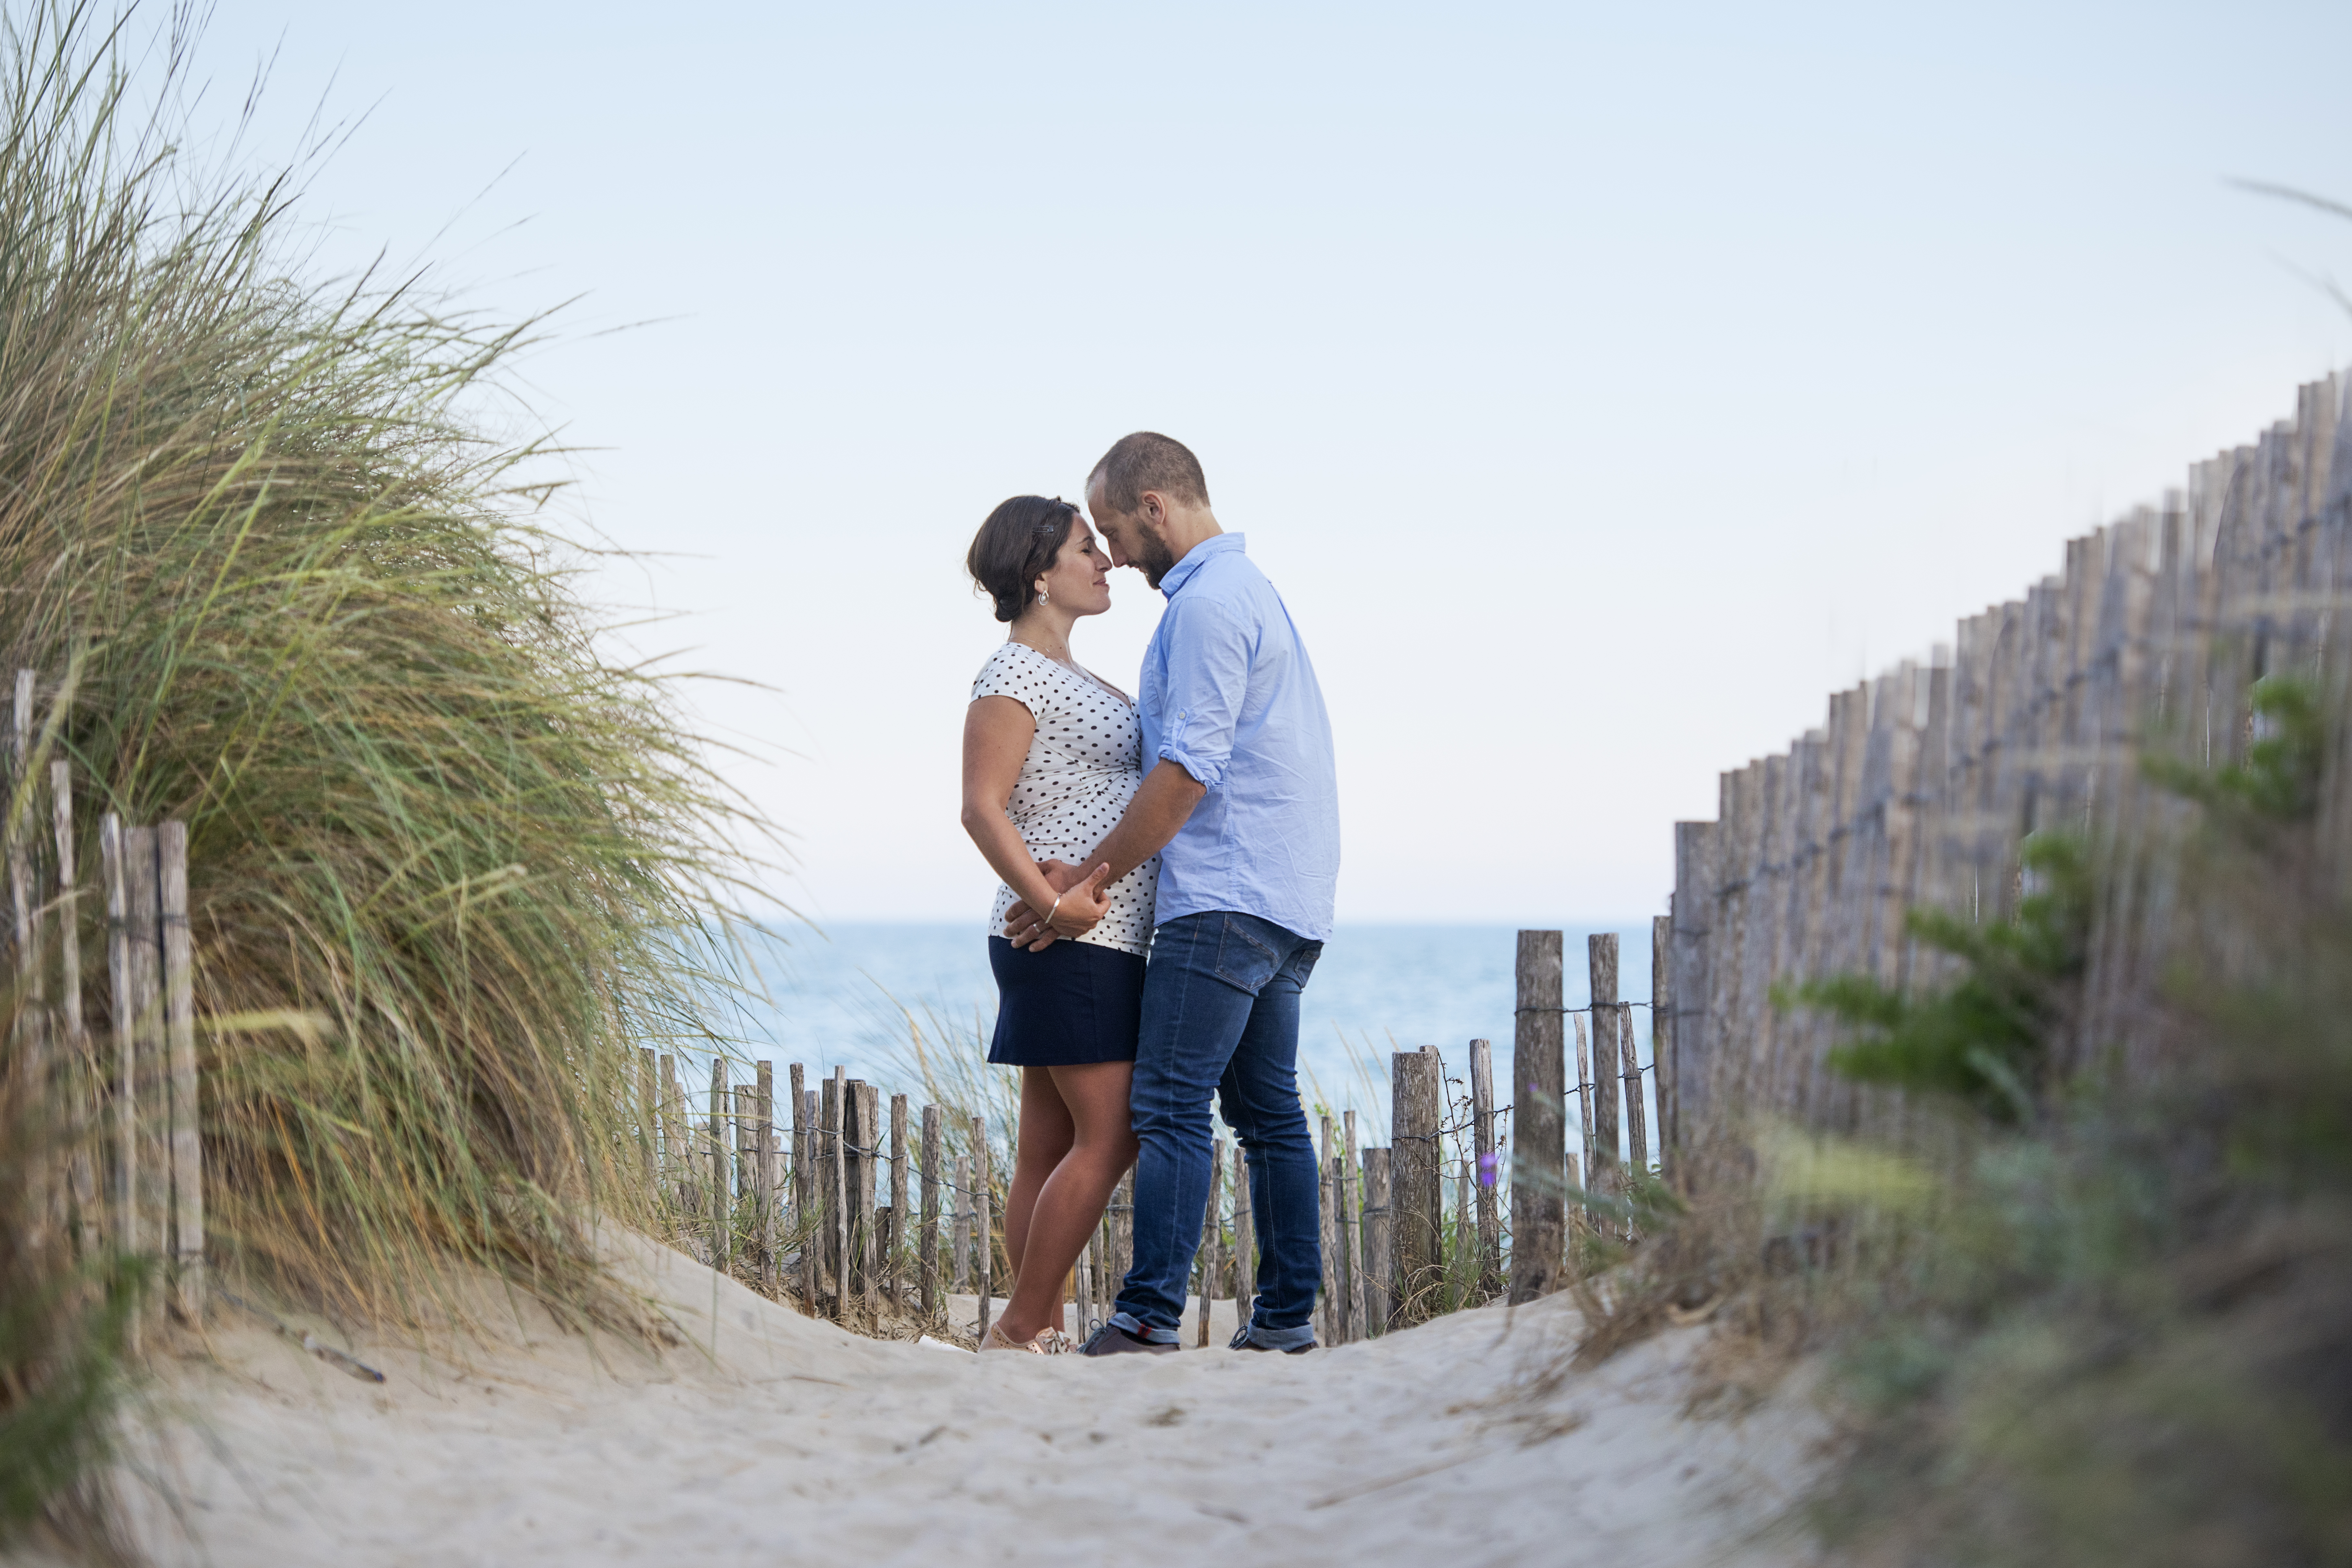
{"x":1079,"y":579}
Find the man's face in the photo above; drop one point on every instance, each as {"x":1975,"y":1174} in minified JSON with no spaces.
{"x":1133,"y":538}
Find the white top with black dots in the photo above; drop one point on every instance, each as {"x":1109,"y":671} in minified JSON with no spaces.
{"x":1083,"y":768}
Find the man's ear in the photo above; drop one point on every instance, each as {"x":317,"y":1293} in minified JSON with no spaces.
{"x":1151,"y":508}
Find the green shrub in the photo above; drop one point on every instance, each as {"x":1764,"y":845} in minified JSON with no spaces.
{"x":1984,"y":1038}
{"x":2279,"y":781}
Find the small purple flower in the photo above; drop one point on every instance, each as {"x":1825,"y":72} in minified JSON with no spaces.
{"x":1487,"y":1169}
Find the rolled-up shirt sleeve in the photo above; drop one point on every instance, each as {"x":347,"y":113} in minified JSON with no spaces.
{"x":1207,"y":680}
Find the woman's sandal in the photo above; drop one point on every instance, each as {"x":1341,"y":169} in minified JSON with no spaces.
{"x":998,"y":1339}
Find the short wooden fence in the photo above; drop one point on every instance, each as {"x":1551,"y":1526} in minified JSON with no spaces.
{"x":1410,"y":1231}
{"x":130,"y":1181}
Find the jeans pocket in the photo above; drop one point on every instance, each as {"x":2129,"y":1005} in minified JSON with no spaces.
{"x":1244,"y":961}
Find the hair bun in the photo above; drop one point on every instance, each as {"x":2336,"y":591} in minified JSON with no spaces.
{"x":1017,"y":545}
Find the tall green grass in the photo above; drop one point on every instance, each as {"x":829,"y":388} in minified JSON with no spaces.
{"x":310,"y":604}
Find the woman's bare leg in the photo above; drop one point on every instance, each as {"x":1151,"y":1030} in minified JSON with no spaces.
{"x":1047,"y":1132}
{"x":1068,"y":1203}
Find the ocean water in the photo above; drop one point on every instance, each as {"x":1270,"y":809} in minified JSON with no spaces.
{"x":846,"y":994}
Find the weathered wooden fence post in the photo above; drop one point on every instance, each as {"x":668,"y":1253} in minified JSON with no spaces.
{"x":1211,"y":1231}
{"x":1602,"y":1166}
{"x":764,"y":1130}
{"x":677,"y":1165}
{"x":1539,"y":1129}
{"x":836,"y":1114}
{"x":983,"y":1202}
{"x":114,"y":855}
{"x":1351,"y":1229}
{"x":722,"y":1208}
{"x":1099,"y":1248}
{"x":926,"y":1249}
{"x":147,"y":1023}
{"x":1661,"y":1028}
{"x":179,"y":1028}
{"x":1637,"y":1137}
{"x":800,"y":1185}
{"x":1417,"y":1189}
{"x":1466,"y":1236}
{"x":857,"y":1185}
{"x":1380,"y":1248}
{"x":1331,"y":1311}
{"x":865,"y":1100}
{"x":88,"y":1077}
{"x":1581,"y":1220}
{"x":745,"y":1122}
{"x":1122,"y":1233}
{"x":1489,"y":1278}
{"x":895,"y":1252}
{"x":1245,"y":1239}
{"x":1689,"y":983}
{"x":960,"y":1227}
{"x":808,"y":1172}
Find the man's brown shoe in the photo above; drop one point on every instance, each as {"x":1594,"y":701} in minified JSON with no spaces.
{"x":1112,"y":1340}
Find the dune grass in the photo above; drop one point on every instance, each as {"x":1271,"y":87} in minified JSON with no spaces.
{"x":283,"y":579}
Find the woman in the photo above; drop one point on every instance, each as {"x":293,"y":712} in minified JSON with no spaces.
{"x":1051,"y":755}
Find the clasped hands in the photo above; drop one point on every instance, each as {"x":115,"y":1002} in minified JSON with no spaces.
{"x":1081,"y":904}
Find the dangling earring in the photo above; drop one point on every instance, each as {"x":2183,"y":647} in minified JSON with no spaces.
{"x":1041,"y":596}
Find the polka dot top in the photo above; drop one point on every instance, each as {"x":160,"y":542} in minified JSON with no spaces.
{"x":1083,"y":766}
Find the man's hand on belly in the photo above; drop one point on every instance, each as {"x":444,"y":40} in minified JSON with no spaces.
{"x":1158,"y":810}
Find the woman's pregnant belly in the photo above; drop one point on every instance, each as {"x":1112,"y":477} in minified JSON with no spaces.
{"x":1072,"y":822}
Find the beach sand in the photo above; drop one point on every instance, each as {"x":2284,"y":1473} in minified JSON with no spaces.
{"x":769,"y":1438}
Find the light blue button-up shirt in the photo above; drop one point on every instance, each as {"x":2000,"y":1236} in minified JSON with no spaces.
{"x":1229,"y":696}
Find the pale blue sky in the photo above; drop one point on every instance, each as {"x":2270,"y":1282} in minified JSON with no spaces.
{"x":1601,"y":385}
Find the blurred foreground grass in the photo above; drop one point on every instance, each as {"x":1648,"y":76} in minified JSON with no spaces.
{"x":2087,"y":1319}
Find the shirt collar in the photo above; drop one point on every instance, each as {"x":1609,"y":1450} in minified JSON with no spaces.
{"x":1215,"y":545}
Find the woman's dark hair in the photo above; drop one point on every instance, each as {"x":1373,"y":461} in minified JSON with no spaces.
{"x":1017,"y":546}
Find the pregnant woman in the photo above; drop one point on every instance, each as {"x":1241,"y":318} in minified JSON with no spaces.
{"x":1051,"y":755}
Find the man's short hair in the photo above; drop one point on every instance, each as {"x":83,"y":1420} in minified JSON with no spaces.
{"x":1148,"y":460}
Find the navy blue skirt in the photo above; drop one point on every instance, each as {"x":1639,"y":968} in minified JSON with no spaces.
{"x":1077,"y":1002}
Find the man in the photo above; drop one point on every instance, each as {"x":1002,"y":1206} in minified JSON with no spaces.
{"x":1239,"y":800}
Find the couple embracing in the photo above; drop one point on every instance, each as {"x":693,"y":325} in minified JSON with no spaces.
{"x":1168,"y":869}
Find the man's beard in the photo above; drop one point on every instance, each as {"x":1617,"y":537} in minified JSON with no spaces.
{"x":1152,"y":556}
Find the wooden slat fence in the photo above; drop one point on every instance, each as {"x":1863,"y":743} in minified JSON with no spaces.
{"x":1921,"y":785}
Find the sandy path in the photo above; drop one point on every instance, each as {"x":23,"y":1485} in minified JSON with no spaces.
{"x":786,"y":1440}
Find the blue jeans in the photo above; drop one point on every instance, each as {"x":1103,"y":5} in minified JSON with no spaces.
{"x":1221,"y":1016}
